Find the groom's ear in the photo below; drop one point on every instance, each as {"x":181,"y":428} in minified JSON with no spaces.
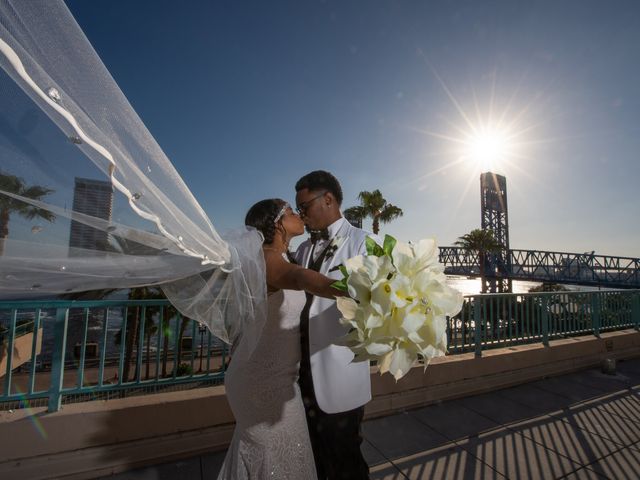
{"x":329,"y":199}
{"x":332,"y":202}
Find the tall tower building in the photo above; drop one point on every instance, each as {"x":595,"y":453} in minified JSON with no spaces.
{"x":94,"y":198}
{"x":495,"y":216}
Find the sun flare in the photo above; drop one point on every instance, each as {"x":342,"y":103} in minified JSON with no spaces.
{"x":494,"y":131}
{"x":487,"y":148}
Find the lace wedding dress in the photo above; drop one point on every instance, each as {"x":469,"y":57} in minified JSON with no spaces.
{"x":271,"y":439}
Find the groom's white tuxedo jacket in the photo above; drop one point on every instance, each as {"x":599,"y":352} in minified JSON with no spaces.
{"x":339,"y":385}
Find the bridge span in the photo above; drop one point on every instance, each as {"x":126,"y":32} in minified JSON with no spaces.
{"x":540,"y":266}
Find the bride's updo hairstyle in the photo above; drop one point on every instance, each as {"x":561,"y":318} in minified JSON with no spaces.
{"x":262,"y":216}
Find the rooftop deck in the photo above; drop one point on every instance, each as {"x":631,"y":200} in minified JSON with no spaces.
{"x":583,"y":425}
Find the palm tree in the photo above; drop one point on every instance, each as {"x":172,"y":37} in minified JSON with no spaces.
{"x":126,"y":246}
{"x":374,"y":205}
{"x":9,"y":205}
{"x":480,"y":241}
{"x":133,"y":320}
{"x":133,"y":340}
{"x":548,"y":287}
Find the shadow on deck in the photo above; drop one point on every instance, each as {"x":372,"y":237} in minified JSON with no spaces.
{"x":575,"y":426}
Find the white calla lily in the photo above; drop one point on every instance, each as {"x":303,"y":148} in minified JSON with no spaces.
{"x":399,"y":306}
{"x":412,"y":321}
{"x":359,"y":287}
{"x":348,"y":307}
{"x":378,"y":349}
{"x":381,"y":296}
{"x":400,"y":363}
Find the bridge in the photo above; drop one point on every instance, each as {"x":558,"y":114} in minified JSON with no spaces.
{"x":549,"y":267}
{"x":508,"y":264}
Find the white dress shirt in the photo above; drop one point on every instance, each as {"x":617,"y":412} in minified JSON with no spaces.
{"x":320,"y":245}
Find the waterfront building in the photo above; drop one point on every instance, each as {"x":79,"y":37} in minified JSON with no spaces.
{"x":94,"y":198}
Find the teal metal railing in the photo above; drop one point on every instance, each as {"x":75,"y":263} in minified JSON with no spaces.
{"x":504,"y":320}
{"x":84,"y":350}
{"x":102,"y":349}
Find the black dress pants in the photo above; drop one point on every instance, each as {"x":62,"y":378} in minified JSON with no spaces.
{"x":335,"y":437}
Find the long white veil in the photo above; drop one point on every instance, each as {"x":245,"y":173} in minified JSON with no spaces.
{"x":88,"y":199}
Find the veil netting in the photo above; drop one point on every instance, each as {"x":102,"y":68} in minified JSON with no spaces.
{"x":88,"y":199}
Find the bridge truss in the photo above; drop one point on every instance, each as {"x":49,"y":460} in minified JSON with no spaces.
{"x":506,"y":265}
{"x":551,"y":267}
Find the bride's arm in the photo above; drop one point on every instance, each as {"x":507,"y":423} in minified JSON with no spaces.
{"x":284,"y":275}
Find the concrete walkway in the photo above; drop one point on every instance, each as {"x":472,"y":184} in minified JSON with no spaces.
{"x":584,"y":425}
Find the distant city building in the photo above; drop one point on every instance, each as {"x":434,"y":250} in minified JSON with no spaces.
{"x":355,"y":221}
{"x":94,"y":198}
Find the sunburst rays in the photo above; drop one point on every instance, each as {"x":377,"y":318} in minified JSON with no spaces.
{"x":490,"y":131}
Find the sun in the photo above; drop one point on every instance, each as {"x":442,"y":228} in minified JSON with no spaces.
{"x":495,"y":127}
{"x":487,"y":148}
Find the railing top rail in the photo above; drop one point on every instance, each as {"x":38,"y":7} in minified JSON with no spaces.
{"x":43,"y":304}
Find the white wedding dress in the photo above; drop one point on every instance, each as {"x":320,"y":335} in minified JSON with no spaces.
{"x":271,"y":439}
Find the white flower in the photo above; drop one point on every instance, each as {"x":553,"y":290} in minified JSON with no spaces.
{"x":337,"y":241}
{"x":398,"y":306}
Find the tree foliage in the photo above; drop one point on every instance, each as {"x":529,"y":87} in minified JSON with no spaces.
{"x":375,"y":206}
{"x":10,"y":205}
{"x":481,"y":242}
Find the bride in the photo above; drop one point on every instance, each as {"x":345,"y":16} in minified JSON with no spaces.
{"x":66,"y":117}
{"x":271,"y":439}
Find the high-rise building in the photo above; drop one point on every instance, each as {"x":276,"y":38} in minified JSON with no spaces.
{"x":94,"y":198}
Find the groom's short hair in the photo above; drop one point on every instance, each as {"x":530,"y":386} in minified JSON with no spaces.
{"x":321,"y":180}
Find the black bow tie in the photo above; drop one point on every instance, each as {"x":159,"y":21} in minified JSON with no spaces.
{"x":316,"y":235}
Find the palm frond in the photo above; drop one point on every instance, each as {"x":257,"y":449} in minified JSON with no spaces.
{"x":389,"y":213}
{"x":34,"y":212}
{"x":372,"y":201}
{"x":479,"y":240}
{"x":35,"y":192}
{"x":8,"y":205}
{"x":355,"y":212}
{"x":374,"y":205}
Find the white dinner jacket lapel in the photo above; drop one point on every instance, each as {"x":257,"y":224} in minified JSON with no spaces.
{"x":339,"y":384}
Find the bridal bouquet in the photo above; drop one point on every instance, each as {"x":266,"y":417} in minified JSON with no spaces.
{"x":397,"y":305}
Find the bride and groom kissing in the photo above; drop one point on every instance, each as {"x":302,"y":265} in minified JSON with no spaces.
{"x":297,"y":398}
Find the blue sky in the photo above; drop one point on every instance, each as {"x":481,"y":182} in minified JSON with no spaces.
{"x":245,"y":97}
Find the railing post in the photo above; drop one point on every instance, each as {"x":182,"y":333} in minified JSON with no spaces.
{"x":57,"y":361}
{"x":103,"y":347}
{"x":545,"y":320}
{"x":34,"y":350}
{"x":141,"y":334}
{"x":9,"y":353}
{"x":223,"y":354}
{"x":635,"y":309}
{"x":596,"y":310}
{"x":477,"y":321}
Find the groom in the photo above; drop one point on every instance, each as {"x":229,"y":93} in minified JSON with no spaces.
{"x":334,"y":390}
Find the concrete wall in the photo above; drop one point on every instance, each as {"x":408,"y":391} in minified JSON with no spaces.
{"x":91,"y":439}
